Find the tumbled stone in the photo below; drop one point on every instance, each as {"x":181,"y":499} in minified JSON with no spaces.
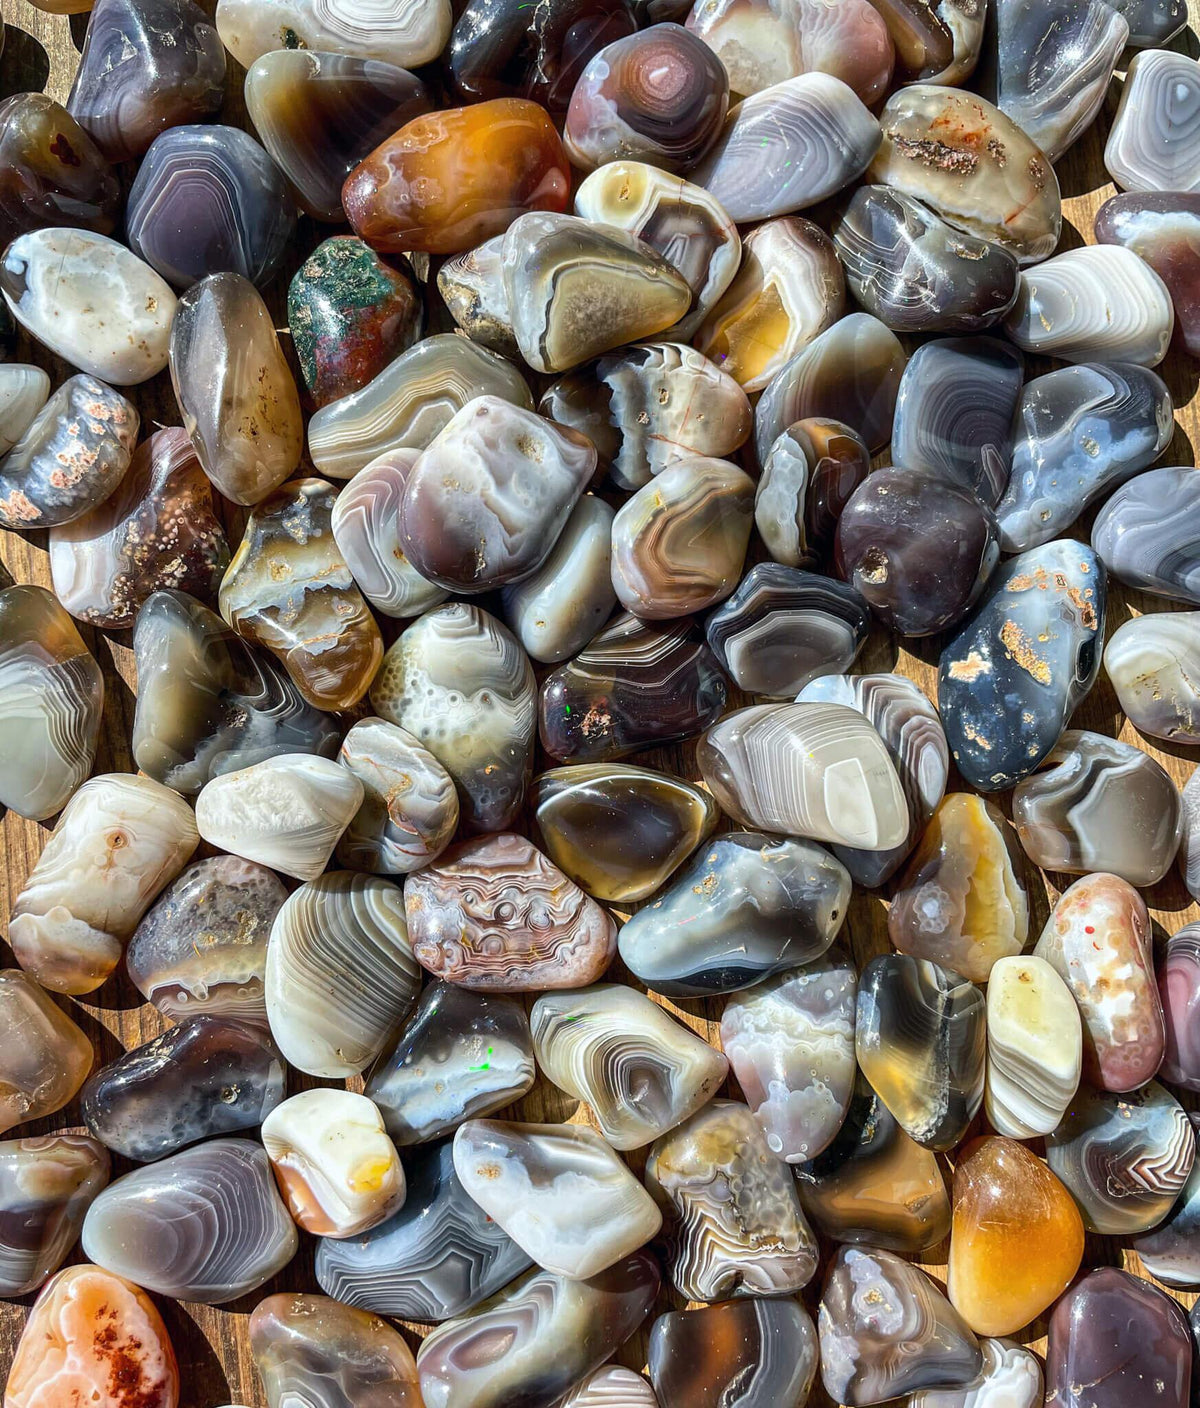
{"x":47,"y":1184}
{"x":44,"y":1057}
{"x":1152,"y":142}
{"x":1144,"y":534}
{"x":1171,"y":1251}
{"x":1179,"y":991}
{"x":1160,"y":228}
{"x":1034,"y":1047}
{"x":54,"y":173}
{"x":811,"y":470}
{"x":402,"y":32}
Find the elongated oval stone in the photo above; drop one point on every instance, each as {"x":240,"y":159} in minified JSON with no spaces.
{"x":1145,"y":534}
{"x":1155,"y":136}
{"x":47,"y":1184}
{"x":44,"y":1057}
{"x":611,"y":1387}
{"x":402,"y":32}
{"x":1034,"y":1047}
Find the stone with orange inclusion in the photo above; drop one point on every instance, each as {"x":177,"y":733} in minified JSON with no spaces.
{"x":1016,"y":1238}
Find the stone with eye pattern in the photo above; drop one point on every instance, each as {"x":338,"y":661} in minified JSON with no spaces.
{"x":1145,"y":534}
{"x":1155,"y":137}
{"x":937,"y":41}
{"x":24,"y":390}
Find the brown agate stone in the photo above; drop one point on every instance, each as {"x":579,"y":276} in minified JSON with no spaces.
{"x":51,"y":172}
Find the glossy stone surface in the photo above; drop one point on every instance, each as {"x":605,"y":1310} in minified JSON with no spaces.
{"x":53,"y":696}
{"x":44,"y":1057}
{"x":1189,"y":848}
{"x":810,"y":472}
{"x":774,"y":766}
{"x":641,"y":1072}
{"x":611,"y":1387}
{"x":789,"y":146}
{"x":70,"y":288}
{"x":634,"y":685}
{"x":1011,"y":1377}
{"x":472,"y":288}
{"x":1033,"y":645}
{"x":873,"y":1185}
{"x":157,"y":530}
{"x":289,"y":589}
{"x":310,"y":1348}
{"x":204,"y":1225}
{"x":24,"y":390}
{"x":886,"y":1329}
{"x":235,"y":390}
{"x":146,"y":65}
{"x":961,"y":156}
{"x":47,"y":1184}
{"x":1152,"y":143}
{"x":1006,"y":1201}
{"x":918,"y":549}
{"x":1170,"y":1252}
{"x":1034,"y":1045}
{"x":1161,"y":229}
{"x":340,"y":973}
{"x":732,"y":1220}
{"x":746,"y":907}
{"x":937,"y":41}
{"x":1097,"y":939}
{"x":119,"y":840}
{"x":449,"y":180}
{"x":436,"y":1258}
{"x":915,"y":272}
{"x":961,"y":902}
{"x":458,"y":681}
{"x":1179,"y":990}
{"x":1152,"y":22}
{"x":201,"y":948}
{"x":54,"y":174}
{"x":742,"y":1354}
{"x":319,"y":114}
{"x":402,"y":32}
{"x":96,"y":1338}
{"x":1145,"y":534}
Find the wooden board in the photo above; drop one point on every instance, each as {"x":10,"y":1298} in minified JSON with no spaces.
{"x":40,"y":54}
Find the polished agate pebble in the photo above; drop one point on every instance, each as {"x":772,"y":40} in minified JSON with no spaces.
{"x":472,"y":288}
{"x":886,"y":1329}
{"x":576,"y":290}
{"x":70,"y":288}
{"x":814,"y":770}
{"x":1011,"y":1377}
{"x":732,"y":1220}
{"x":743,"y":1354}
{"x":407,"y":403}
{"x":916,"y":548}
{"x":537,"y":1338}
{"x":53,"y":173}
{"x":340,"y":973}
{"x":47,"y":1184}
{"x":1011,"y":677}
{"x":641,"y":1072}
{"x":460,"y":1055}
{"x":338,"y":1171}
{"x":617,"y":830}
{"x":680,"y":542}
{"x":289,"y":589}
{"x":782,"y":628}
{"x":201,"y":948}
{"x":235,"y":389}
{"x":410,"y":808}
{"x":972,"y":165}
{"x":873,"y":1185}
{"x":658,"y":96}
{"x":207,"y":1077}
{"x":24,"y":390}
{"x":401,"y":32}
{"x":44,"y":1057}
{"x":119,"y":840}
{"x":96,"y":1338}
{"x":1097,"y":939}
{"x":1097,"y":804}
{"x":1152,"y":22}
{"x":157,"y":530}
{"x":790,"y":1042}
{"x":1005,"y":1202}
{"x":1179,"y":990}
{"x":746,"y":907}
{"x":208,"y":199}
{"x":810,"y":472}
{"x":350,"y":310}
{"x":962,"y":901}
{"x":71,"y":455}
{"x":319,"y":114}
{"x":459,"y":682}
{"x":1161,"y":229}
{"x":1125,"y":1158}
{"x":634,"y":685}
{"x":309,"y":1349}
{"x":436,"y":1258}
{"x":788,"y":147}
{"x":146,"y":65}
{"x":611,"y":1387}
{"x":449,"y":180}
{"x":920,"y":1038}
{"x":1189,"y":848}
{"x":1169,"y":1251}
{"x":558,"y":1190}
{"x":1096,"y":303}
{"x":937,"y":41}
{"x":51,"y":703}
{"x":915,"y":272}
{"x":1155,"y":137}
{"x":647,"y":407}
{"x":1145,"y":534}
{"x":849,"y":373}
{"x":485,"y":503}
{"x":204,"y":1225}
{"x":1034,"y":1047}
{"x":496,"y":915}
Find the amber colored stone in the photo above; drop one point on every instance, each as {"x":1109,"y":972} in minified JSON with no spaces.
{"x":447,"y":181}
{"x":1016,"y":1238}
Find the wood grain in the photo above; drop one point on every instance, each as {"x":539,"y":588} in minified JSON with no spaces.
{"x":41,"y":53}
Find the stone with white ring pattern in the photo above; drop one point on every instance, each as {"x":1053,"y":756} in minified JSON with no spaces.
{"x":401,"y":32}
{"x":1011,"y":1377}
{"x":1035,"y":1047}
{"x":1154,"y":142}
